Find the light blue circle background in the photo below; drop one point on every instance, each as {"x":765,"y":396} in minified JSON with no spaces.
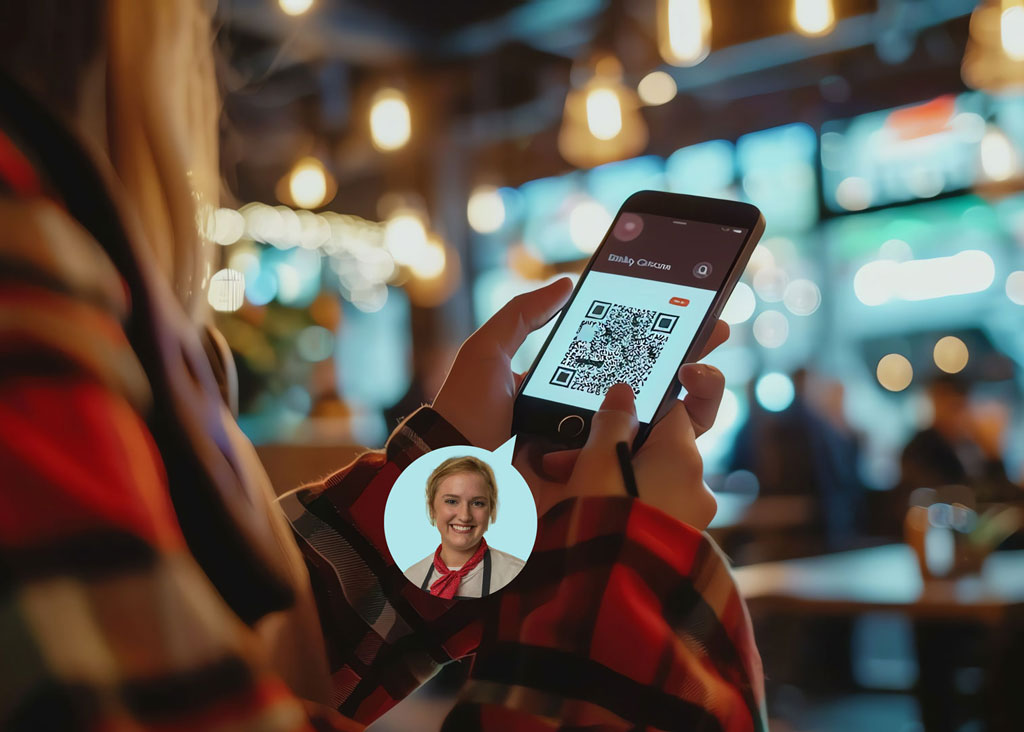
{"x":407,"y":528}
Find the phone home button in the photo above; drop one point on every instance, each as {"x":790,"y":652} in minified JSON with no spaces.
{"x":571,"y":426}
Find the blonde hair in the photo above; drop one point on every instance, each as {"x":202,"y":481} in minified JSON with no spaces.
{"x":162,"y":132}
{"x":467,"y":464}
{"x":158,"y":119}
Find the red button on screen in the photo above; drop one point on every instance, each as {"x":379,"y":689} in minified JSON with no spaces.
{"x":681,"y":301}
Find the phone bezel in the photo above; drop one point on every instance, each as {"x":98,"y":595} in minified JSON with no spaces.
{"x":540,"y":417}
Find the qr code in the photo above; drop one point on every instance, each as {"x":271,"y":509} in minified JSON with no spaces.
{"x":614,"y":343}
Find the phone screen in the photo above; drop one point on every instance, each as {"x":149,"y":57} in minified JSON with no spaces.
{"x":636,"y":311}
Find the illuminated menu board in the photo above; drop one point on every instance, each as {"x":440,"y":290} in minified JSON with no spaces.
{"x":920,"y":151}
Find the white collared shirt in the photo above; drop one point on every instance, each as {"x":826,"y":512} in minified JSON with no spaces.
{"x":504,"y":568}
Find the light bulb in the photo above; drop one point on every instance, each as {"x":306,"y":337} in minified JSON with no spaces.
{"x":604,"y":115}
{"x":684,"y":31}
{"x":813,"y":17}
{"x":295,"y":7}
{"x":390,"y":120}
{"x":602,"y":120}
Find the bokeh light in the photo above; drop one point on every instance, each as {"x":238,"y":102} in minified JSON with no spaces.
{"x":998,"y":157}
{"x":894,"y":372}
{"x":760,"y":258}
{"x":951,"y":354}
{"x":1011,"y":31}
{"x":774,"y":391}
{"x":770,"y":283}
{"x":658,"y":87}
{"x":771,"y":329}
{"x":226,"y":291}
{"x":588,"y":223}
{"x":308,"y":184}
{"x":684,"y":31}
{"x":390,"y":120}
{"x":741,"y":305}
{"x":228,"y":226}
{"x":895,"y":249}
{"x":405,"y":236}
{"x":813,"y":17}
{"x":315,"y":343}
{"x":802,"y":297}
{"x":854,"y":194}
{"x":430,"y":261}
{"x":604,"y":113}
{"x":485,"y":210}
{"x":1015,"y":287}
{"x":295,"y":7}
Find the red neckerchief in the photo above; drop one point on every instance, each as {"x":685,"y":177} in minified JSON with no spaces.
{"x":448,"y":581}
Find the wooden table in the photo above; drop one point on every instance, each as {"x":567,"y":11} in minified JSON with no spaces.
{"x":887,"y":578}
{"x":884,"y":578}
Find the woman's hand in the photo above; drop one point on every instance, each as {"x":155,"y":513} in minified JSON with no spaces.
{"x":479,"y":391}
{"x":668,"y":468}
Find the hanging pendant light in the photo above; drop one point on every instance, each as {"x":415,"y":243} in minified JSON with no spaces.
{"x":684,"y":31}
{"x":602,"y":120}
{"x":390,"y":120}
{"x":994,"y":57}
{"x":814,"y":17}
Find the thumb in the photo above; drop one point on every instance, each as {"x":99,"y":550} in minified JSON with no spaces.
{"x":522,"y":315}
{"x":597,"y":468}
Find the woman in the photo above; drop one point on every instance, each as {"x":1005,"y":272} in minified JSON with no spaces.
{"x":462,"y":501}
{"x":149,"y":579}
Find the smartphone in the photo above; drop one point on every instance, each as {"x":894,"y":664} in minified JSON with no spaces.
{"x":646,"y":303}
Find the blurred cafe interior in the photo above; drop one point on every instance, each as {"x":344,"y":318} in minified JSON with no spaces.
{"x":395,"y":171}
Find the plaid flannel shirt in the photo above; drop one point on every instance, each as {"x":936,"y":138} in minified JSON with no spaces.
{"x":622,"y":619}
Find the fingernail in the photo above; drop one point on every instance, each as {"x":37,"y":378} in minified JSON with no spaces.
{"x":619,"y":398}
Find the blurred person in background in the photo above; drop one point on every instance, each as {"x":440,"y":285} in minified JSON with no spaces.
{"x":804,"y":450}
{"x":151,"y":581}
{"x":962,"y":446}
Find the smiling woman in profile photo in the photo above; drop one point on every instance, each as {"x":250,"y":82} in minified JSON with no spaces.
{"x":462,"y":501}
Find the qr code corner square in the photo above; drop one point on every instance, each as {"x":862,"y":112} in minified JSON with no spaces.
{"x":563,"y":376}
{"x":598,"y":309}
{"x":664,"y":323}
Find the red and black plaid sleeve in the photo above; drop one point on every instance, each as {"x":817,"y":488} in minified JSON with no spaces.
{"x":106,"y":621}
{"x":622,"y":619}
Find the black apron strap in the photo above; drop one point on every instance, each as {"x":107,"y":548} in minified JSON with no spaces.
{"x":487,"y":576}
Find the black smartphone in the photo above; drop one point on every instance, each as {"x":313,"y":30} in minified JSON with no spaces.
{"x":646,"y":303}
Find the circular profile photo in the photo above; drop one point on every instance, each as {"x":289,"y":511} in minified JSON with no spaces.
{"x":460,"y":524}
{"x":628,"y":227}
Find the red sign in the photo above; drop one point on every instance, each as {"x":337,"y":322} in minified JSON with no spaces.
{"x":681,"y":301}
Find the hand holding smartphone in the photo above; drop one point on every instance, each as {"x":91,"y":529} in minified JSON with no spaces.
{"x":646,"y":303}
